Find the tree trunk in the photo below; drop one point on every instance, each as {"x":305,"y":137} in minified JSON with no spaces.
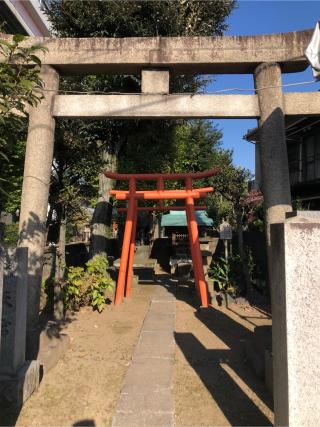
{"x":101,"y":219}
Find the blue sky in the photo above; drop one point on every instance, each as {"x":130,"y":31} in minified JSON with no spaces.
{"x":262,"y":17}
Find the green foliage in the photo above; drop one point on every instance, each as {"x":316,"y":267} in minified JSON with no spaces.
{"x":227,"y":274}
{"x":20,"y":86}
{"x":11,"y":235}
{"x":87,"y":286}
{"x":82,"y":148}
{"x":257,"y":274}
{"x":126,"y":18}
{"x":259,"y":218}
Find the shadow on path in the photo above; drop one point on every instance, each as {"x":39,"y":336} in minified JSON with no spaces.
{"x":222,"y":371}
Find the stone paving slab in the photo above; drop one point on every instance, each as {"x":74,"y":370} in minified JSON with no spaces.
{"x":162,"y":307}
{"x":151,"y":375}
{"x":159,"y":322}
{"x":135,"y":419}
{"x":147,"y":395}
{"x":155,"y":344}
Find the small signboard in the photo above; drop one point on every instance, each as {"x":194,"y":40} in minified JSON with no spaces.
{"x":225,"y":231}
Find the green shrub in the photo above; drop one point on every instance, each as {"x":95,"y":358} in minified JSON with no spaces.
{"x":87,"y":286}
{"x":11,"y":235}
{"x":257,"y":274}
{"x":227,"y":274}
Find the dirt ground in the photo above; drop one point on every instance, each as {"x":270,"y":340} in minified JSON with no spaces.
{"x":213,"y":384}
{"x":84,"y":387}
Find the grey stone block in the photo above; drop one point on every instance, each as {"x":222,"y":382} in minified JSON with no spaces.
{"x":157,"y":344}
{"x":16,"y":389}
{"x":135,"y":419}
{"x":162,"y":307}
{"x":145,"y":400}
{"x":52,"y":349}
{"x":151,"y":375}
{"x":159,"y":322}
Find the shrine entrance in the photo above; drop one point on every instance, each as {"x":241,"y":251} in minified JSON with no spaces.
{"x":189,"y":195}
{"x":156,"y":59}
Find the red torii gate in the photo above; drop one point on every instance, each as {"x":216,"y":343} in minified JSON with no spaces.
{"x":189,"y":194}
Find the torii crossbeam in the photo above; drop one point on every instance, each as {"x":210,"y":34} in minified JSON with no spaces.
{"x":189,"y":194}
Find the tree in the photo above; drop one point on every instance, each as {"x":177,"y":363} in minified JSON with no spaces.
{"x":20,"y":87}
{"x":127,"y":19}
{"x":232,"y":184}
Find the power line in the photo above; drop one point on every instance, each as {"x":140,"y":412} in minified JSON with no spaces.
{"x":234,"y":89}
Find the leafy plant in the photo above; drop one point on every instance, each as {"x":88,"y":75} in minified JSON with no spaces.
{"x":20,"y":86}
{"x":11,"y":235}
{"x":220,"y":272}
{"x":257,"y":276}
{"x":87,"y":286}
{"x":227,"y":275}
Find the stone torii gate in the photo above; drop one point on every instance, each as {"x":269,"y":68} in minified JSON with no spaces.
{"x":156,"y":58}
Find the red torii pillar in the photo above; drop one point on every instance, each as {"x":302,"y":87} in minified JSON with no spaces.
{"x":189,"y":195}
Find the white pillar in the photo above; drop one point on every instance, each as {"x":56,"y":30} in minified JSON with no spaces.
{"x":296,"y":320}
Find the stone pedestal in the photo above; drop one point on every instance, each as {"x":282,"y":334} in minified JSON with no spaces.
{"x":18,"y":377}
{"x":296,"y":321}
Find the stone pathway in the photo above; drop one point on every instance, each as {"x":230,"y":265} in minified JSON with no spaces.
{"x":147,"y":395}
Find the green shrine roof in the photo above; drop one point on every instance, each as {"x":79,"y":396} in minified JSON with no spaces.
{"x":179,"y":219}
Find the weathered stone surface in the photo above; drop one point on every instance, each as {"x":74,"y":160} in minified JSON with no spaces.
{"x":16,"y":389}
{"x":34,"y":200}
{"x":159,"y":322}
{"x":151,"y":375}
{"x":195,"y":55}
{"x":147,"y":394}
{"x":178,"y":106}
{"x":13,"y":325}
{"x":296,"y":320}
{"x":135,"y":419}
{"x":155,"y":81}
{"x":53,"y":345}
{"x":272,"y":144}
{"x":156,"y":106}
{"x":155,"y":344}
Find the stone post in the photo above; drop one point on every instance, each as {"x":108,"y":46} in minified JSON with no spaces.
{"x":34,"y":202}
{"x":15,"y":314}
{"x":296,"y":321}
{"x":18,"y":377}
{"x":272,"y":144}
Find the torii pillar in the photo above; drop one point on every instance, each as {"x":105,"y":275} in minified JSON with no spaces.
{"x":277,"y":199}
{"x":272,"y":144}
{"x":34,"y":200}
